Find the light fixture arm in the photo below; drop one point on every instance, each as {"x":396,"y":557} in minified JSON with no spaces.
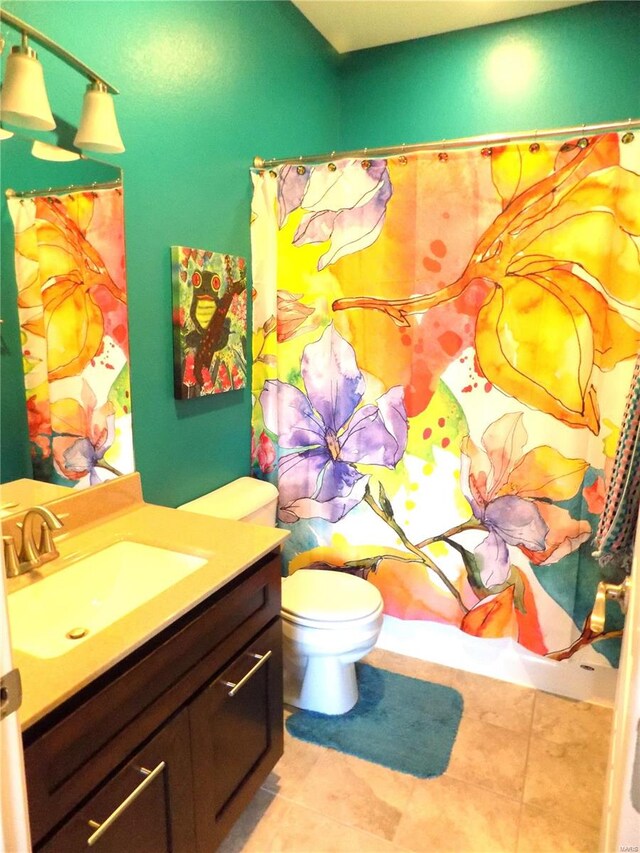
{"x":54,"y":47}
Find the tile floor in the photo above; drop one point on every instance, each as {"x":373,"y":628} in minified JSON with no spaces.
{"x":526,"y":775}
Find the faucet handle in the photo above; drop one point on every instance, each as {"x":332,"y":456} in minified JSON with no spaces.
{"x":11,"y":562}
{"x":47,"y":548}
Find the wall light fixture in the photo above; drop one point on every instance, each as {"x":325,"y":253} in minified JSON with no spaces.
{"x":98,"y":130}
{"x":24,"y":96}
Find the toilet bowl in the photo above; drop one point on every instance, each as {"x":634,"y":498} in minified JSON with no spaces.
{"x":329,"y":619}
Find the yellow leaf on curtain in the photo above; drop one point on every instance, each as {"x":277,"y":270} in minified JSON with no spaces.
{"x":514,"y":168}
{"x":539,"y":349}
{"x":580,"y":239}
{"x":74,"y":333}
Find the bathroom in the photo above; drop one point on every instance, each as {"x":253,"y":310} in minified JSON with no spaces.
{"x":205,"y":87}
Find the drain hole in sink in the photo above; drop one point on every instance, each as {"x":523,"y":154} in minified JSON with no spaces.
{"x":77,"y":633}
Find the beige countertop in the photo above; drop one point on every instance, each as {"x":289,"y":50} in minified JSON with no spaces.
{"x":19,"y":495}
{"x":111,"y":513}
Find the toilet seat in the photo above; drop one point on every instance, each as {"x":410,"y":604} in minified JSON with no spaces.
{"x":330,"y":625}
{"x":326,"y":599}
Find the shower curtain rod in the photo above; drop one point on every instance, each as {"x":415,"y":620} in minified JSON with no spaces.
{"x":462,"y":142}
{"x":10,"y":193}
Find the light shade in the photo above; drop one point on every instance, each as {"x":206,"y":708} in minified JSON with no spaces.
{"x":4,"y":134}
{"x":98,"y":130}
{"x":45,"y":151}
{"x":24,"y":96}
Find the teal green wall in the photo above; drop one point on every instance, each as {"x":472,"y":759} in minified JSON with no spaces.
{"x":580,"y":65}
{"x":205,"y":87}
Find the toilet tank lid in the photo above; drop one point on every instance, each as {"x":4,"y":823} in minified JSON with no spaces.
{"x":328,"y":596}
{"x":236,"y":500}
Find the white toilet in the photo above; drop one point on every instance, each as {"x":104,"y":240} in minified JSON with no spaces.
{"x":245,"y":499}
{"x":329,"y":619}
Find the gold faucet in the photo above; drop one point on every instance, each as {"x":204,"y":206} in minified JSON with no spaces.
{"x":617,"y":592}
{"x":35,"y":549}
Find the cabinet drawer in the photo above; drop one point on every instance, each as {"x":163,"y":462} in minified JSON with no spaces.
{"x":147,"y":806}
{"x":70,"y":753}
{"x":236,"y":735}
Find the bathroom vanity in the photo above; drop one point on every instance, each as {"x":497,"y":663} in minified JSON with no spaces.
{"x":155,"y":739}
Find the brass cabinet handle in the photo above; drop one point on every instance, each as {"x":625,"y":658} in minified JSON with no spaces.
{"x":261,"y":660}
{"x":101,"y":828}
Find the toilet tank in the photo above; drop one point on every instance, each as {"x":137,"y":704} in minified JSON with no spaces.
{"x":245,"y":499}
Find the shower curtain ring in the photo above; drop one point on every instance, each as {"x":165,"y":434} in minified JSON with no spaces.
{"x":535,"y":145}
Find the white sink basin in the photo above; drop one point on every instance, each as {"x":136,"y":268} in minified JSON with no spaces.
{"x":91,"y":594}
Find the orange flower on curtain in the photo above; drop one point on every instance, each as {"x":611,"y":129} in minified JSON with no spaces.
{"x":70,"y":271}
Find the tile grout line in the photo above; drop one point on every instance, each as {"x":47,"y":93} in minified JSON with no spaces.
{"x":329,"y":751}
{"x":483,"y":786}
{"x":526,"y":769}
{"x":332,"y":819}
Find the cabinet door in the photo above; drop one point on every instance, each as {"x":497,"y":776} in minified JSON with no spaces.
{"x":147,"y":807}
{"x":236,"y":735}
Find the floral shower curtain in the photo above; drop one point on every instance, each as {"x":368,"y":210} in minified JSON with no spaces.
{"x":70,"y":271}
{"x":443,"y":343}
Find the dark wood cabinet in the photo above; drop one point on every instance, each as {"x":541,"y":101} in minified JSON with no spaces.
{"x":147,"y":806}
{"x":168,"y":747}
{"x":236,"y":734}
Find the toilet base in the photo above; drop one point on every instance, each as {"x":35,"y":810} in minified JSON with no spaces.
{"x":319,"y":683}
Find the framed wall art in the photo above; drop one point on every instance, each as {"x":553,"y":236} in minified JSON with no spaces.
{"x":209,"y":322}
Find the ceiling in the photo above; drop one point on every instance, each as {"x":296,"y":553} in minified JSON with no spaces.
{"x":356,"y":24}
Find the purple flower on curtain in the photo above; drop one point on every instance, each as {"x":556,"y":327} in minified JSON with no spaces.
{"x":84,"y":457}
{"x":328,"y":434}
{"x":291,"y":187}
{"x":346,"y":205}
{"x":83,"y":432}
{"x":511,"y":494}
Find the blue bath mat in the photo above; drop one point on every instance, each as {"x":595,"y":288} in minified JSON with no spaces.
{"x":402,"y":723}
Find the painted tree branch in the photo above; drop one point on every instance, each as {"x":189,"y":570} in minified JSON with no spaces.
{"x":423,"y":558}
{"x":362,"y":568}
{"x":586,"y":638}
{"x":506,"y":237}
{"x":400,"y":309}
{"x":102,"y":463}
{"x":470,"y":524}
